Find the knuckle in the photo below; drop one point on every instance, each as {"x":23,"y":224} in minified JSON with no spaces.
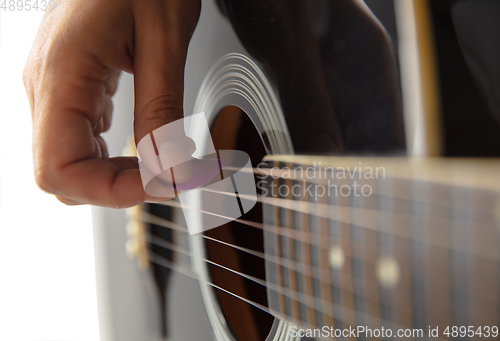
{"x":44,"y":179}
{"x":162,"y":108}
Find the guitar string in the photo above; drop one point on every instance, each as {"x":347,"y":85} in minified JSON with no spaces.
{"x":153,"y":219}
{"x":430,"y":200}
{"x":283,"y":206}
{"x":170,"y":265}
{"x":299,"y":235}
{"x":374,"y":321}
{"x":323,"y":210}
{"x":292,"y":265}
{"x":152,"y":239}
{"x":162,"y":261}
{"x":278,"y":230}
{"x":279,"y":173}
{"x":283,"y":203}
{"x":302,"y":298}
{"x":307,"y":300}
{"x":312,"y":302}
{"x":331,"y":211}
{"x":287,"y":263}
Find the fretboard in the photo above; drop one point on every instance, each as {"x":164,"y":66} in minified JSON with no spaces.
{"x":393,"y":243}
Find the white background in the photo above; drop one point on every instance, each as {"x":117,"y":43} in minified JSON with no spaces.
{"x":47,"y":273}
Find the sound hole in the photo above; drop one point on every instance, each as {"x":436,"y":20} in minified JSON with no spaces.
{"x":233,"y":129}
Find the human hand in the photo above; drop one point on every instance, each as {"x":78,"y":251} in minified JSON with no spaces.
{"x":71,"y":75}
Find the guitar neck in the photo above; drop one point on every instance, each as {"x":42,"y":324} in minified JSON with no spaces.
{"x":382,"y":242}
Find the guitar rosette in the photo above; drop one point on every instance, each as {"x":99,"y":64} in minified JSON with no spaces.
{"x":222,"y":181}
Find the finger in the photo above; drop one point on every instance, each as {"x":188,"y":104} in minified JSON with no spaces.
{"x":162,"y":38}
{"x":159,"y":60}
{"x":84,"y":179}
{"x":67,"y":154}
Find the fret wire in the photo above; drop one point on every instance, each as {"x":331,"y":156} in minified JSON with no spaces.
{"x":356,"y":266}
{"x":486,"y":278}
{"x":270,"y":248}
{"x":419,"y":283}
{"x":458,"y":270}
{"x":335,"y":230}
{"x":306,"y":254}
{"x":399,"y":298}
{"x":296,"y":225}
{"x":440,"y":314}
{"x":346,"y":272}
{"x":324,"y":264}
{"x":370,"y":237}
{"x":290,"y":246}
{"x":278,"y":251}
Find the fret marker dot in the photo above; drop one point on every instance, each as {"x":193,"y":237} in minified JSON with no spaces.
{"x":336,"y":257}
{"x":388,"y":272}
{"x":133,"y":228}
{"x":132,"y":248}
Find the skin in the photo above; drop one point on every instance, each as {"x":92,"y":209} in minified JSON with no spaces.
{"x":71,"y":74}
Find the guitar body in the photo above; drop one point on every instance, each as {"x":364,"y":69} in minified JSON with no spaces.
{"x":299,"y":262}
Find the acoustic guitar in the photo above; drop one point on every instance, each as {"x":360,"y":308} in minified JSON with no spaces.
{"x":364,"y":227}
